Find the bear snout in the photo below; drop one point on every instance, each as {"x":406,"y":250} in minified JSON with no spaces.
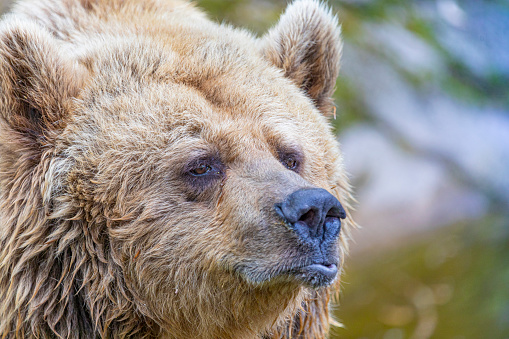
{"x":313,"y":214}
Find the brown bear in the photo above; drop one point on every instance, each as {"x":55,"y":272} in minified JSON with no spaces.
{"x":164,"y":176}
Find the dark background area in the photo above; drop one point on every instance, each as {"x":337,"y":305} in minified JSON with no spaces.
{"x":423,"y":119}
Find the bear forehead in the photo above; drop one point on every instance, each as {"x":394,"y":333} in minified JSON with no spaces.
{"x":160,"y":114}
{"x":213,"y":92}
{"x":229,"y":74}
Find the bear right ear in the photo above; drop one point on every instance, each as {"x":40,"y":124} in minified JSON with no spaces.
{"x":306,"y":45}
{"x":37,"y":84}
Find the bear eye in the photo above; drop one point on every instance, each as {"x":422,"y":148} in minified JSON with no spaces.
{"x":201,"y":169}
{"x":202,"y":175}
{"x":291,"y":163}
{"x":291,"y":159}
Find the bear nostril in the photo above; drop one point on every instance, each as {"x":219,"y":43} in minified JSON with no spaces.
{"x":335,"y":212}
{"x":308,"y":217}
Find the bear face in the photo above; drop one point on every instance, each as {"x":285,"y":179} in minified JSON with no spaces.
{"x":183,"y":171}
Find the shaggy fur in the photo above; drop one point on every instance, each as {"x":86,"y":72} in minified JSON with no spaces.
{"x":106,"y":107}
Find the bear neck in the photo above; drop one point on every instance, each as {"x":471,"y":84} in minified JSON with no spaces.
{"x":245,"y":311}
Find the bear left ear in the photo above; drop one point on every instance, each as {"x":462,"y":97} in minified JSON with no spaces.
{"x":37,"y":82}
{"x":306,"y":44}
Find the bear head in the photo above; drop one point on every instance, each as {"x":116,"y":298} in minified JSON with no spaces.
{"x":181,"y":180}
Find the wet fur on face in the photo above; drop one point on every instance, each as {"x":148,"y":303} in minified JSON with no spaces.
{"x":142,"y":151}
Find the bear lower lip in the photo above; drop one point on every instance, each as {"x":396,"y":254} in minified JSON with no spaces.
{"x":328,"y":271}
{"x":318,"y":275}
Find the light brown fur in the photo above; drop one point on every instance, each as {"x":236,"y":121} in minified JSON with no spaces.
{"x":103,"y":103}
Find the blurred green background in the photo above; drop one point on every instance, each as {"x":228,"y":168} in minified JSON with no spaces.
{"x":423,"y":118}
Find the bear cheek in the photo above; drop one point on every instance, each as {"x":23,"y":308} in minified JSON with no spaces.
{"x":258,"y":241}
{"x":171,"y":261}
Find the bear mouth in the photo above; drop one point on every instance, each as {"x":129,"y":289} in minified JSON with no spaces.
{"x":315,"y":275}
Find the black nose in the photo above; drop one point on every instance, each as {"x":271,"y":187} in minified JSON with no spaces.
{"x":312,"y":212}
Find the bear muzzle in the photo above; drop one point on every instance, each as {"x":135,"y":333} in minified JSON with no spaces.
{"x":314,"y":215}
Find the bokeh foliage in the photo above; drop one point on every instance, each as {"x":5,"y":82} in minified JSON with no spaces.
{"x":451,"y":284}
